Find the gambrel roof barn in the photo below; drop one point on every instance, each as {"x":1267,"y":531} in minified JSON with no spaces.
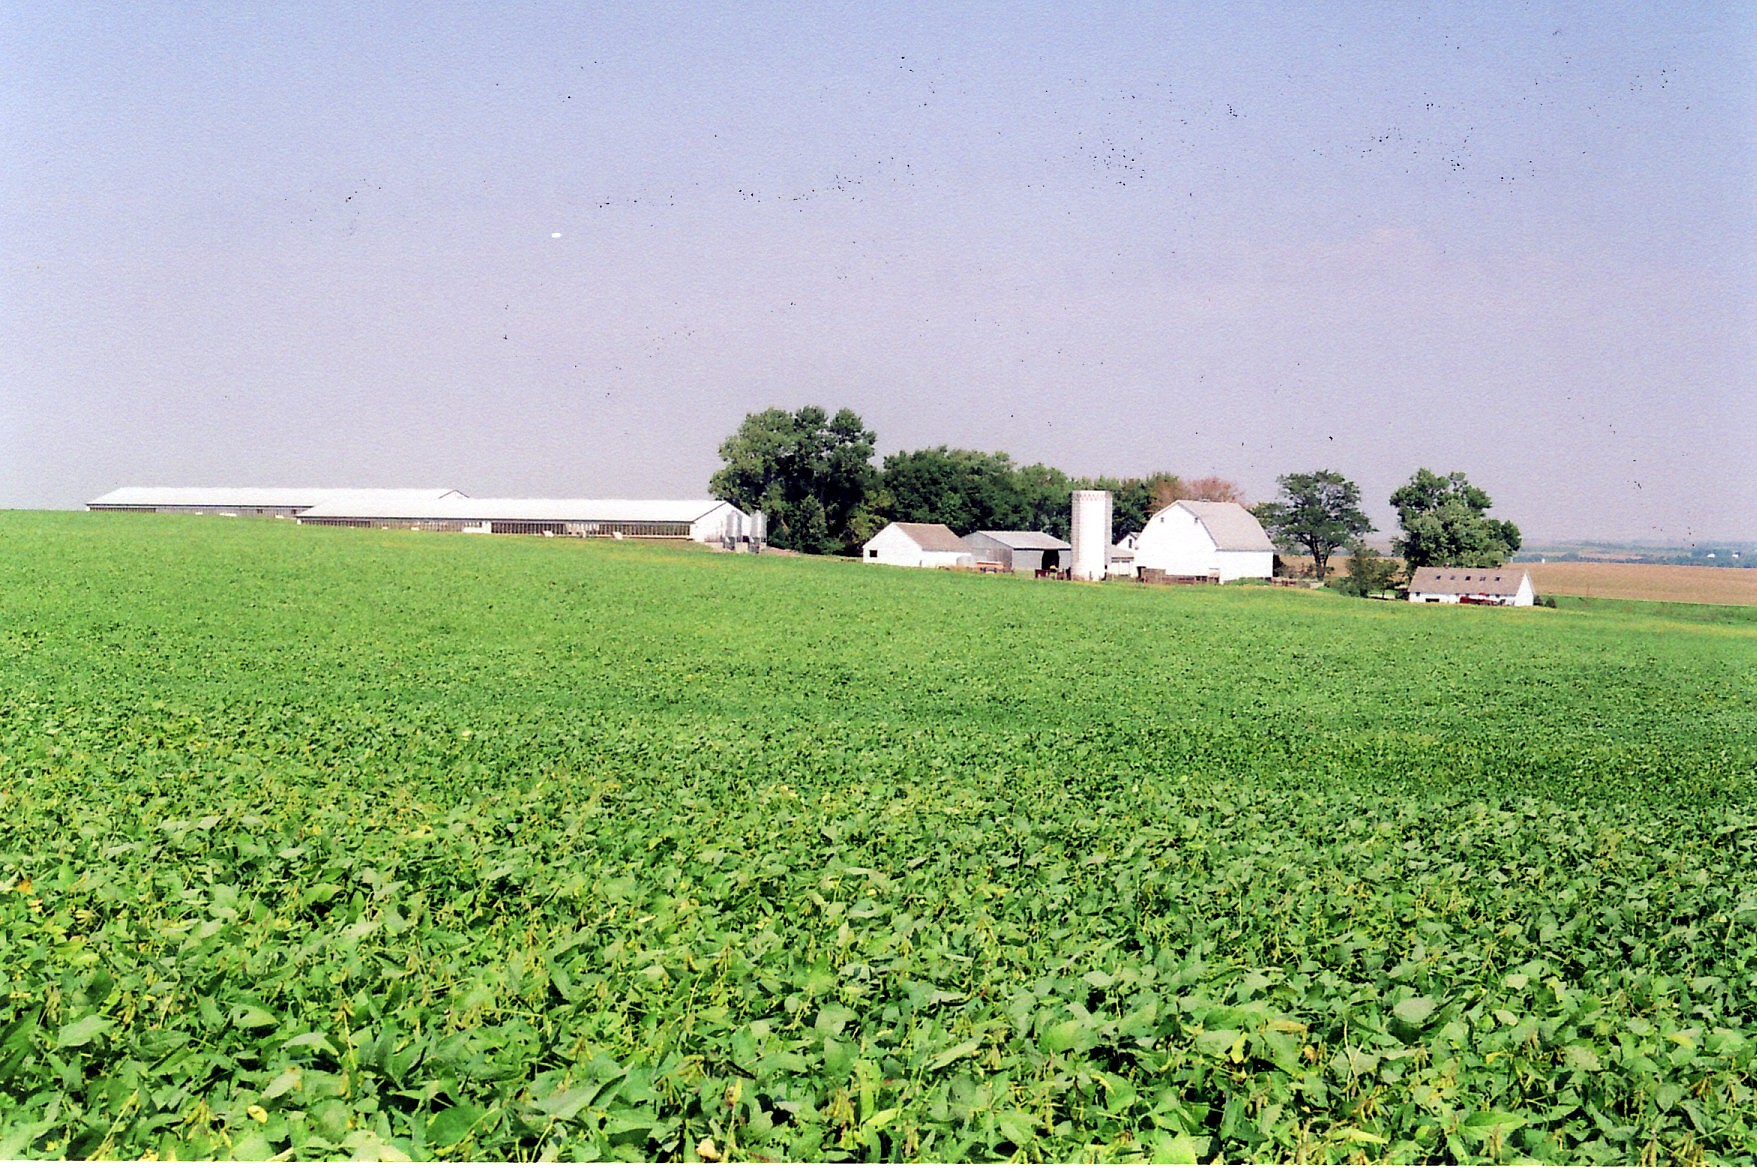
{"x":1198,"y":538}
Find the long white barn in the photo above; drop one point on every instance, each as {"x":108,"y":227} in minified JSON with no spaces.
{"x":444,"y":509}
{"x":283,"y":502}
{"x":1471,"y":586}
{"x":705,"y":521}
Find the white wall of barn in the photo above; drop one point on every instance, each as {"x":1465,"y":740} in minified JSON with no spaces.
{"x":894,"y":547}
{"x":723,"y":521}
{"x":1175,"y":542}
{"x":1525,"y":596}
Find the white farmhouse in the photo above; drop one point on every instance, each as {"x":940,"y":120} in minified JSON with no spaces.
{"x":1471,"y":586}
{"x":918,"y":546}
{"x":1122,"y":556}
{"x":1192,"y":538}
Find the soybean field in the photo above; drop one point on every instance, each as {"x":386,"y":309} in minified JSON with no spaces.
{"x":323,"y":843}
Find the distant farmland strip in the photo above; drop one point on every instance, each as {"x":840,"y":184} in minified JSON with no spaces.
{"x":1678,"y":583}
{"x":1686,"y":583}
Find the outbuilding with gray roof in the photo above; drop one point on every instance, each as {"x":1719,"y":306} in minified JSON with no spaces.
{"x":1471,"y":586}
{"x":918,"y":546}
{"x":1029,"y":552}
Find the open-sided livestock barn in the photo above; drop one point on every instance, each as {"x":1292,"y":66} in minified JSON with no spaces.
{"x":706,"y":521}
{"x":443,"y":509}
{"x":281,"y":502}
{"x":1020,"y":551}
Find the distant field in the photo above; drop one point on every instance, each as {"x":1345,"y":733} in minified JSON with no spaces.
{"x":1686,"y":583}
{"x":328,"y":843}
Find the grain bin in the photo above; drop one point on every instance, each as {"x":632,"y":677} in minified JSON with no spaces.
{"x":1091,"y":534}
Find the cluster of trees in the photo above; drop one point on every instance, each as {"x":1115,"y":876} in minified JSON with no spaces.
{"x":1444,"y":521}
{"x":812,"y":474}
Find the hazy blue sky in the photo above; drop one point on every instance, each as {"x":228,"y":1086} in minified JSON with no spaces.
{"x":563,"y":249}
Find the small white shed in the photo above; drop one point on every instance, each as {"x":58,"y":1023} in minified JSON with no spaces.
{"x":1471,"y":586}
{"x":1196,"y":538}
{"x":918,"y":546}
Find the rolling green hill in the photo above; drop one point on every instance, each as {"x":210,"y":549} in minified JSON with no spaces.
{"x":351,"y":842}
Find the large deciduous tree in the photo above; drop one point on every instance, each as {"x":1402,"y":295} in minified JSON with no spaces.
{"x":967,"y":491}
{"x":808,"y":472}
{"x":1369,"y":574}
{"x":1445,"y":522}
{"x":1045,"y":497}
{"x":1318,"y":512}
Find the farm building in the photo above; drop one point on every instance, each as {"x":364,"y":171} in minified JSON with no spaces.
{"x":1092,"y":515}
{"x":1195,"y":539}
{"x":918,"y":546}
{"x":706,"y":521}
{"x":1122,"y":556}
{"x":283,"y":502}
{"x":443,"y":509}
{"x":1471,"y":586}
{"x":1020,"y":551}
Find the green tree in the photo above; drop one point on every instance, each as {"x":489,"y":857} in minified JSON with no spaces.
{"x":808,"y":472}
{"x":967,"y":491}
{"x":1046,"y":498}
{"x":1368,"y":572}
{"x":1318,"y":512}
{"x":1445,"y":522}
{"x":1137,"y":499}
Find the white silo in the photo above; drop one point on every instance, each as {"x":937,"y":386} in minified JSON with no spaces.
{"x":1091,"y":535}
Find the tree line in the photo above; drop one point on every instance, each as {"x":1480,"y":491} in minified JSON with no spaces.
{"x":812,"y":475}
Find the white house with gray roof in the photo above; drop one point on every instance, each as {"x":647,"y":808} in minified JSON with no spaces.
{"x":918,"y":546}
{"x":1471,"y":586}
{"x":1196,"y":538}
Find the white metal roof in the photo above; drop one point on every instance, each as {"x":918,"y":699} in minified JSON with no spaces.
{"x":1233,"y":528}
{"x":1027,"y":541}
{"x":257,"y":496}
{"x":369,"y":506}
